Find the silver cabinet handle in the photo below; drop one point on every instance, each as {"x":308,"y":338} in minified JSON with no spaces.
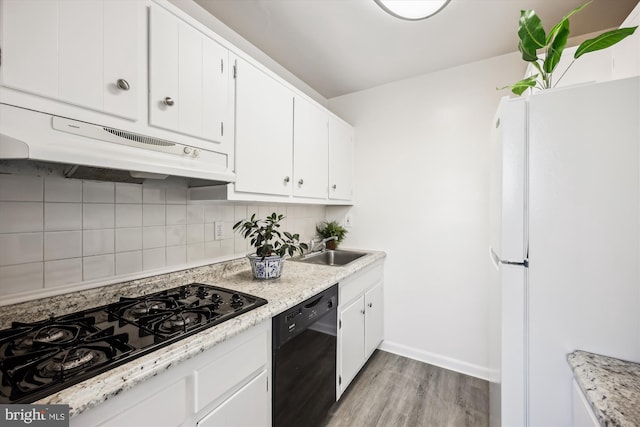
{"x":334,"y":186}
{"x":123,"y":84}
{"x":169,"y":101}
{"x":287,"y":179}
{"x":301,"y":181}
{"x":370,"y":304}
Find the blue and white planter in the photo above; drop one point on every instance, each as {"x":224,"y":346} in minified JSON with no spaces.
{"x":266,"y":268}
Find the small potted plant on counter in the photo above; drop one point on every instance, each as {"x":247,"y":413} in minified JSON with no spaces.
{"x":271,"y":244}
{"x":331,"y":229}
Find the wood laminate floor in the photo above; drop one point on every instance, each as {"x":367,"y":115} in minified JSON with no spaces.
{"x":394,"y":391}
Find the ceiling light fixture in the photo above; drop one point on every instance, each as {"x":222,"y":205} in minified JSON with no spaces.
{"x":412,"y":10}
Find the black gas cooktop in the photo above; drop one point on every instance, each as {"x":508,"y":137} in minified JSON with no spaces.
{"x":39,"y":359}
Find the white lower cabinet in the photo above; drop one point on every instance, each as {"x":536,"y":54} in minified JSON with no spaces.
{"x":360,"y":321}
{"x":246,"y":408}
{"x":227,"y":385}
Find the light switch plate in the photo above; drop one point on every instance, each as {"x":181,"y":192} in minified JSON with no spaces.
{"x":218,"y":230}
{"x":348,"y":220}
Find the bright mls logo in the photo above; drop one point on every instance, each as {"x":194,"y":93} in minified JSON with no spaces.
{"x":34,"y":415}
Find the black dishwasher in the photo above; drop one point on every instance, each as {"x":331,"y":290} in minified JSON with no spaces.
{"x":304,"y":361}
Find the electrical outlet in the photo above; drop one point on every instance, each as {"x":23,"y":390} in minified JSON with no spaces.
{"x":348,"y":220}
{"x":218,"y":230}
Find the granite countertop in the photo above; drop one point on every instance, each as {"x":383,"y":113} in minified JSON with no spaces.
{"x":299,"y":282}
{"x":612,"y":387}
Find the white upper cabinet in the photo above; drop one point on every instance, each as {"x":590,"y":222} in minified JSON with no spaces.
{"x":264,"y":132}
{"x":83,"y":52}
{"x":340,"y":159}
{"x":310,"y":150}
{"x":188,"y":79}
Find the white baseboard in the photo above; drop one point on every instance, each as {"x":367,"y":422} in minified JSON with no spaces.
{"x":437,"y":360}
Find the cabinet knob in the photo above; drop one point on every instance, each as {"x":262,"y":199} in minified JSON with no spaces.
{"x":301,"y":181}
{"x":187,"y":150}
{"x":169,"y":101}
{"x":361,"y":311}
{"x":334,"y":186}
{"x":123,"y":84}
{"x":196,"y":153}
{"x":287,"y":179}
{"x":370,"y":304}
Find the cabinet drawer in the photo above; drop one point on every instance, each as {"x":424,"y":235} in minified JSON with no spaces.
{"x":359,"y":283}
{"x":223,"y":374}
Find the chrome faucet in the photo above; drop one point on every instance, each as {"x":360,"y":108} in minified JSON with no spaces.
{"x":314,"y":245}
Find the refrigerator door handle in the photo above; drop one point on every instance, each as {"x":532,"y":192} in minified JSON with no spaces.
{"x":494,"y":259}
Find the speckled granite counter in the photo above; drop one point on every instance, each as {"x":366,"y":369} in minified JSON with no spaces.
{"x":612,"y":387}
{"x":299,"y":282}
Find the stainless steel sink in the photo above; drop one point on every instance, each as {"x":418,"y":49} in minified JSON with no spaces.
{"x":336,"y":258}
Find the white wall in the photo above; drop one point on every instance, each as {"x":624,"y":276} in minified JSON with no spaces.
{"x":421,"y":188}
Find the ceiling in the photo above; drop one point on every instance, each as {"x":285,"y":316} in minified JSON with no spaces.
{"x":343,"y":46}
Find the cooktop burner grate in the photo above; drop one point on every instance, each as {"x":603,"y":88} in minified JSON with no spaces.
{"x":38,"y":359}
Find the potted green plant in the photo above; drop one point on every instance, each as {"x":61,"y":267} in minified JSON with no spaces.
{"x":331,"y":229}
{"x":271,"y":244}
{"x":532,"y":38}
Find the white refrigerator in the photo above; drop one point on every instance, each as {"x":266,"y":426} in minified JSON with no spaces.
{"x":565,"y":240}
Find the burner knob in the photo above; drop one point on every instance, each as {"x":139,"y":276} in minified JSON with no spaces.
{"x":236,"y":300}
{"x":216,"y":298}
{"x":202,"y":292}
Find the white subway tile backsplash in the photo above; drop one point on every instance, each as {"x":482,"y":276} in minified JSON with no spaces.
{"x":62,"y":244}
{"x":153,"y":237}
{"x":98,"y":267}
{"x":62,"y":272}
{"x":153,"y":195}
{"x":128,"y":193}
{"x":98,"y":242}
{"x":18,"y":188}
{"x":176,"y":196}
{"x":128,"y":215}
{"x":98,"y":215}
{"x":153,"y":215}
{"x":58,"y":189}
{"x":227,"y":213}
{"x":209,"y":232}
{"x":195,"y":252}
{"x":87,"y":230}
{"x":176,"y":235}
{"x":128,"y":239}
{"x":153,"y":258}
{"x":176,"y":255}
{"x":20,"y":217}
{"x":211,"y":213}
{"x":176,"y":214}
{"x":212,"y":249}
{"x":62,"y":216}
{"x":15,"y":279}
{"x":195,"y":214}
{"x":98,"y":192}
{"x":195,"y":233}
{"x":128,"y":262}
{"x":20,"y":248}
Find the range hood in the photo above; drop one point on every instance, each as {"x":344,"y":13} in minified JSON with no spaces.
{"x":98,"y":152}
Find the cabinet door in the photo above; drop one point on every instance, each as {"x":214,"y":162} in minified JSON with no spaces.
{"x":264,"y":133}
{"x":250,"y":406}
{"x":310,"y":150}
{"x":29,"y":40}
{"x":351,"y":336}
{"x":122,"y":24}
{"x":340,"y":160}
{"x":373,"y":319}
{"x":188,"y":78}
{"x":163,"y":69}
{"x":167,"y":407}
